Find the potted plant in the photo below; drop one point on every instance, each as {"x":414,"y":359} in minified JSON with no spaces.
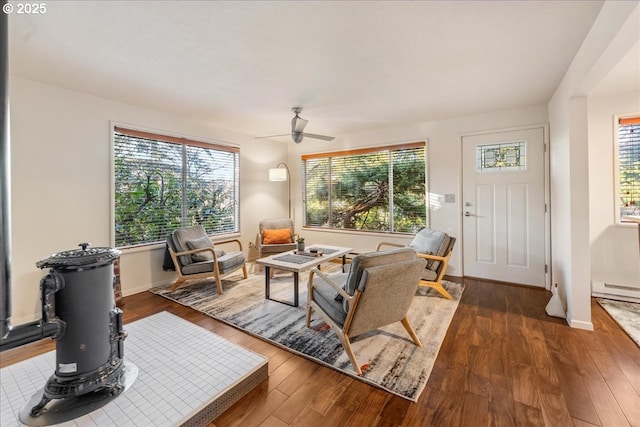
{"x":300,"y":243}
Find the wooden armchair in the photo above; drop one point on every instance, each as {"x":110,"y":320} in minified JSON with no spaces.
{"x":270,"y":239}
{"x":435,"y":247}
{"x":377,"y":291}
{"x":195,"y":256}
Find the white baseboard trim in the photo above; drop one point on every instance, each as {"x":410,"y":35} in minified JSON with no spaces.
{"x":580,"y":324}
{"x":615,"y":291}
{"x":138,"y":289}
{"x":615,"y":297}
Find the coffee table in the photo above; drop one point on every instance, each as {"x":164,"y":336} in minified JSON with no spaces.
{"x":290,"y":261}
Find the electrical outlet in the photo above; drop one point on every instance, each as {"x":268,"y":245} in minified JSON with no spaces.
{"x":449,"y":198}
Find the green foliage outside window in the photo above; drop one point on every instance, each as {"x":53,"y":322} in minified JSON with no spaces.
{"x":161,"y":186}
{"x":381,"y":190}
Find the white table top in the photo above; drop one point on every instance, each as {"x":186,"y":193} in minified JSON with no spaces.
{"x":271,"y":261}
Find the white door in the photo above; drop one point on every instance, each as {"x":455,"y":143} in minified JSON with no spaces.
{"x":504,"y":235}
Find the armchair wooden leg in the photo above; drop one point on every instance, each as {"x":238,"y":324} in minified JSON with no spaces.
{"x":218,"y":283}
{"x":347,"y":347}
{"x":177,"y":283}
{"x":244,"y":271}
{"x":438,"y":287}
{"x":411,"y":331}
{"x":309,"y":312}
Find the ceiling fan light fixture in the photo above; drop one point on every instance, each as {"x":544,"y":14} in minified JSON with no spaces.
{"x":297,"y":137}
{"x":297,"y":129}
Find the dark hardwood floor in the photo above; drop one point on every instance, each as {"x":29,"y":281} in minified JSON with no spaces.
{"x":504,"y":362}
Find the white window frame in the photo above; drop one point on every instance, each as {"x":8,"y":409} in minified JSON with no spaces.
{"x":616,"y":168}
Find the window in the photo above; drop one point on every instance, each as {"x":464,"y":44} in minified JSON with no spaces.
{"x":509,"y":156}
{"x":628,"y":171}
{"x":376,"y":189}
{"x":162,"y":183}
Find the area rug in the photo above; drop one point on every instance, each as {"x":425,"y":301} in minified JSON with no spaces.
{"x":626,"y":314}
{"x":390,"y":359}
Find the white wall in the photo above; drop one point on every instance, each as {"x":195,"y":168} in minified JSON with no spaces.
{"x":61,"y":182}
{"x":614,"y":247}
{"x":613,"y":34}
{"x":444,"y":163}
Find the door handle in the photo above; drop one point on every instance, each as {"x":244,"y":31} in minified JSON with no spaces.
{"x":467,"y":213}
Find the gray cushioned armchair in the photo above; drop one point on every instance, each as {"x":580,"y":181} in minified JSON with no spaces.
{"x":434,"y":246}
{"x":195,"y":256}
{"x":377,"y":291}
{"x":275,"y":248}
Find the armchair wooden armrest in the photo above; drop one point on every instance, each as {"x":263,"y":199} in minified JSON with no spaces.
{"x":329,"y":282}
{"x":395,"y":245}
{"x":230,"y":241}
{"x":212,"y":249}
{"x":433,"y":257}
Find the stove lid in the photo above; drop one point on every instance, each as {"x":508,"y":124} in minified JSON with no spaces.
{"x":80,"y":257}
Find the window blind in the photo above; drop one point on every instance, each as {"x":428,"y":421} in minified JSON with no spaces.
{"x":162,"y":183}
{"x":373,"y":189}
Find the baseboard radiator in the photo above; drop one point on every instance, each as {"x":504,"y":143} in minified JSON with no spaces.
{"x":623,"y":292}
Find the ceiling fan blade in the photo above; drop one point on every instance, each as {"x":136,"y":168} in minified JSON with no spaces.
{"x":323,"y":137}
{"x":272,"y":136}
{"x":298,"y":124}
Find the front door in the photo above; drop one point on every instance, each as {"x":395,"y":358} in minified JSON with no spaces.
{"x":504,"y":233}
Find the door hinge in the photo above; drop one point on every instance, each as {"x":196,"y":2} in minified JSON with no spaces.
{"x":545,"y":208}
{"x":546,"y":268}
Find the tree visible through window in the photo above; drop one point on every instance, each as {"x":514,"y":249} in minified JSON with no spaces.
{"x":381,"y":189}
{"x":162,"y":183}
{"x":629,"y":165}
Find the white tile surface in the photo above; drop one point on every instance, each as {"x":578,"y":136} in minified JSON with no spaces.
{"x":182,"y":368}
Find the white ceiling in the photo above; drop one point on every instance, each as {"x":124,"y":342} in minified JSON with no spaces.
{"x":242,"y":65}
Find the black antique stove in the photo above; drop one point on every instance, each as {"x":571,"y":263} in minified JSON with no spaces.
{"x":77,"y":295}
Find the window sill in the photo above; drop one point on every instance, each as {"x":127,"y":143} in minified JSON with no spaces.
{"x":628,"y":221}
{"x":357,"y":232}
{"x":141,"y":248}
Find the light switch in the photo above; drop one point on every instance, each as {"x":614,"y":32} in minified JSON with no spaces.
{"x":449,"y":198}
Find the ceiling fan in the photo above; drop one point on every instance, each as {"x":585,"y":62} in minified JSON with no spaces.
{"x":297,"y":129}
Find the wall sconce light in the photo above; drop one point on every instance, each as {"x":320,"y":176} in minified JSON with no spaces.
{"x":282,"y":174}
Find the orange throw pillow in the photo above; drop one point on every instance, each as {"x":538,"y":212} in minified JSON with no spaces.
{"x":280,"y":235}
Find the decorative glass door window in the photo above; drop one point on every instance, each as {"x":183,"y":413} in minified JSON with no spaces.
{"x":507,"y":156}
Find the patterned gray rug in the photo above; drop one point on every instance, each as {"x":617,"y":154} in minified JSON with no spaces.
{"x":626,"y":314}
{"x":390,"y":360}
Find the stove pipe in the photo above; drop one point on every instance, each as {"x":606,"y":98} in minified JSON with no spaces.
{"x":29,"y":332}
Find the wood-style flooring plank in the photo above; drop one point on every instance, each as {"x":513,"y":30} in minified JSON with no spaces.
{"x":607,"y":407}
{"x":475,"y":410}
{"x":574,"y":390}
{"x":528,"y":416}
{"x":501,"y":404}
{"x":273,"y":422}
{"x":367,"y":412}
